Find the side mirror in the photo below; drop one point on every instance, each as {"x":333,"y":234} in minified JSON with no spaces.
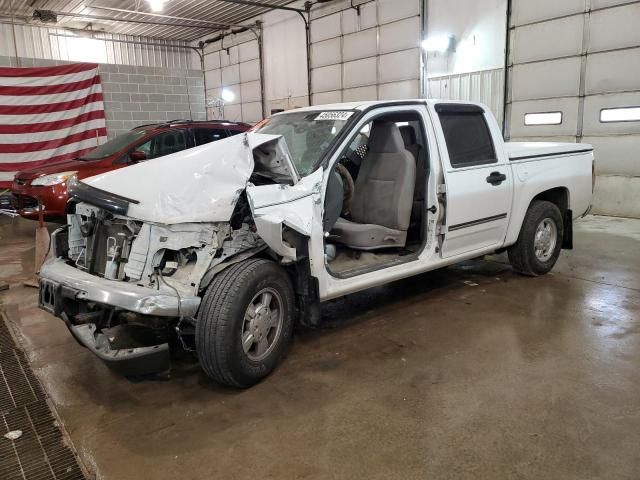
{"x":137,"y":156}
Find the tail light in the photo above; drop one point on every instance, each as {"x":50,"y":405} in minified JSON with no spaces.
{"x":593,"y":176}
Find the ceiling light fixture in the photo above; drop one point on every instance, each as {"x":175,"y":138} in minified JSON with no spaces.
{"x":157,"y":5}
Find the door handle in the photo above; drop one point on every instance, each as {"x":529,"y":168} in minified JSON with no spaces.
{"x":496,"y":178}
{"x":433,"y":210}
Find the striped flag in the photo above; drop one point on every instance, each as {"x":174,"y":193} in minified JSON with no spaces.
{"x":48,"y":114}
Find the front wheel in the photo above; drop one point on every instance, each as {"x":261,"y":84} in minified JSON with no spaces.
{"x":540,"y":240}
{"x":245,"y":323}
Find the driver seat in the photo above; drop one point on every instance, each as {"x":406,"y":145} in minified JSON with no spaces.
{"x":383,"y":195}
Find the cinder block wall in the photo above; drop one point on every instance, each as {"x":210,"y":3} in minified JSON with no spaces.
{"x":139,"y":95}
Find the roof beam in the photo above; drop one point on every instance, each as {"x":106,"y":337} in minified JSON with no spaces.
{"x":217,"y":25}
{"x":127,"y":20}
{"x":253,"y":3}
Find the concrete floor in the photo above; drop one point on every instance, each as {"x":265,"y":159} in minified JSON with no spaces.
{"x":469,"y":372}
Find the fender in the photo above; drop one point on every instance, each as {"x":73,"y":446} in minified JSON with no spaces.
{"x":276,"y":206}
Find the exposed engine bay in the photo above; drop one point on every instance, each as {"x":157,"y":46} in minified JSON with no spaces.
{"x":155,"y":255}
{"x":175,"y":262}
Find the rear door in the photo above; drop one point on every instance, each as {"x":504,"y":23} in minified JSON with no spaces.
{"x":479,"y":182}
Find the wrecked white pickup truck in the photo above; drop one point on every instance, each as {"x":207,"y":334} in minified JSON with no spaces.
{"x":224,"y":248}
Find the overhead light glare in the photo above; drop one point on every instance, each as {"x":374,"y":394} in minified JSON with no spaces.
{"x":157,"y":5}
{"x":227,"y":95}
{"x":439,"y":43}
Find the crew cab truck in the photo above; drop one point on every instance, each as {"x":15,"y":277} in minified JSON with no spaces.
{"x":226,"y":249}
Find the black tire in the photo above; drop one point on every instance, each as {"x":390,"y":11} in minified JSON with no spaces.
{"x":522,"y":255}
{"x":221,"y":320}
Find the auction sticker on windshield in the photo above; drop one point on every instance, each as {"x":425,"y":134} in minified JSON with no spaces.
{"x":333,"y":116}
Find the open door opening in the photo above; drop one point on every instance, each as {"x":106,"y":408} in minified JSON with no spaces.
{"x":375,"y":207}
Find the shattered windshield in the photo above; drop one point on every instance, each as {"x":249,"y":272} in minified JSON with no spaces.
{"x":308,"y":134}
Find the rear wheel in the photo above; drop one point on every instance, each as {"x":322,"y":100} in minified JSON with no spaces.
{"x":245,"y":323}
{"x":540,"y":240}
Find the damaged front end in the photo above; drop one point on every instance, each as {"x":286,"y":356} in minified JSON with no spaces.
{"x":144,"y":242}
{"x":114,"y":277}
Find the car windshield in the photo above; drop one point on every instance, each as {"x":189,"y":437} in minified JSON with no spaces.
{"x":308,"y":134}
{"x":114,"y":145}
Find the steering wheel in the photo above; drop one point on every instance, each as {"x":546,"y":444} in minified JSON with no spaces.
{"x":349,"y":188}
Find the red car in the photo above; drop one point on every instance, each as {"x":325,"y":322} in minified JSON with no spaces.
{"x":48,"y":184}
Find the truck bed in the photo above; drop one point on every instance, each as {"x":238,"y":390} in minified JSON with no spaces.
{"x":528,"y":150}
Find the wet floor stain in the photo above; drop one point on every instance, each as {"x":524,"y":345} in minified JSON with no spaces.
{"x":466,"y":372}
{"x":17,"y":249}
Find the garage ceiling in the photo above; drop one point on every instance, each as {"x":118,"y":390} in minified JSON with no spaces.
{"x":199,"y":11}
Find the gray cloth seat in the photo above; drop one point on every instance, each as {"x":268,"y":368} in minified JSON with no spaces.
{"x":411,"y":141}
{"x":412,"y":145}
{"x":383,"y":196}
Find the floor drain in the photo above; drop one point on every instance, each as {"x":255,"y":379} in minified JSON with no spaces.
{"x":40,"y":452}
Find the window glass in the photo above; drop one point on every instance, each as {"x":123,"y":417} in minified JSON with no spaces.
{"x":548,"y":118}
{"x":468,"y":139}
{"x":146,"y":148}
{"x":167,"y":143}
{"x":360,"y":145}
{"x":307,"y":134}
{"x":208,"y":135}
{"x":114,"y":145}
{"x":624,"y":114}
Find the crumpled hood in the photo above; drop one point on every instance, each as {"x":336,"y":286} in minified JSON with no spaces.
{"x":201,"y":184}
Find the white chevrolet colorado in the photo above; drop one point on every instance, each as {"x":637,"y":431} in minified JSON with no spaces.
{"x":223,"y":249}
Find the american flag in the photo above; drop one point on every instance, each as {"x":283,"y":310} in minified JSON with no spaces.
{"x":48,"y":114}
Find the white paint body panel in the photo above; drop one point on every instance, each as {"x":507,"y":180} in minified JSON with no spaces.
{"x":276,"y":206}
{"x":569,"y":171}
{"x":516,"y":150}
{"x":465,"y":188}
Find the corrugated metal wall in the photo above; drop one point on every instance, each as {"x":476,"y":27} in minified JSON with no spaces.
{"x":59,"y":44}
{"x":486,"y":86}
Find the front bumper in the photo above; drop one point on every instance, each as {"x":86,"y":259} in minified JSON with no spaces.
{"x":129,"y":361}
{"x":56,"y":274}
{"x":60,"y":284}
{"x":6,"y":201}
{"x":26,"y":199}
{"x":24,"y":203}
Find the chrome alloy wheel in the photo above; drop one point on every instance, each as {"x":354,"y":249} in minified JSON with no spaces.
{"x":545,"y":240}
{"x":262,"y":325}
